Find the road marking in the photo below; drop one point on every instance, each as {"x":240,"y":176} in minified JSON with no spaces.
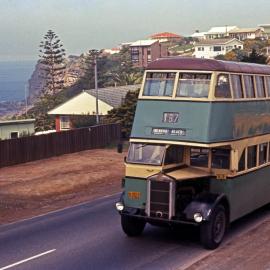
{"x":28,"y":259}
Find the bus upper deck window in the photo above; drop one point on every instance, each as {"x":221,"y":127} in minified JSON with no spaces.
{"x":249,"y":86}
{"x":159,"y":84}
{"x":194,"y":85}
{"x":237,"y":86}
{"x":223,"y":89}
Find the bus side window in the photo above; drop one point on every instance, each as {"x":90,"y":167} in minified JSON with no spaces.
{"x":174,"y":154}
{"x":199,"y":157}
{"x":249,"y":86}
{"x":221,"y":158}
{"x":252,"y":156}
{"x":237,"y":86}
{"x":242,"y":161}
{"x":223,"y":87}
{"x":262,"y":153}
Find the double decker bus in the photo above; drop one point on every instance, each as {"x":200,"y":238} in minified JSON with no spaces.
{"x":199,"y":149}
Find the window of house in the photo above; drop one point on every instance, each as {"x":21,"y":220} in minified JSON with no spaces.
{"x":159,"y":84}
{"x":199,"y":157}
{"x":267,"y":85}
{"x":134,"y":54}
{"x":251,"y":156}
{"x":237,"y":86}
{"x":220,"y":158}
{"x":260,"y":86}
{"x":195,"y":85}
{"x":14,"y":135}
{"x":217,"y":48}
{"x":242,"y":161}
{"x":64,"y":122}
{"x":223,"y":89}
{"x":262,"y":153}
{"x":249,"y":86}
{"x":174,"y":154}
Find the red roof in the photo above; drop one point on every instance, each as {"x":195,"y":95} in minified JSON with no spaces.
{"x":165,"y":35}
{"x":185,"y":63}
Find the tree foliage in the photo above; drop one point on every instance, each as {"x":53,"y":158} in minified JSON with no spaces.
{"x":53,"y":65}
{"x":124,"y":114}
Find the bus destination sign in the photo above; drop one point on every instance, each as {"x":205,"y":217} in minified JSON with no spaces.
{"x":169,"y":131}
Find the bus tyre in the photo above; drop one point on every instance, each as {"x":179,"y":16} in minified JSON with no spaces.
{"x":132,"y":226}
{"x":213,"y":231}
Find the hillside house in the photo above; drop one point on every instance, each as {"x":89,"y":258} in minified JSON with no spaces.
{"x":210,"y":48}
{"x":145,"y":51}
{"x":84,"y":105}
{"x":246,"y":33}
{"x":12,"y":129}
{"x":219,"y":32}
{"x":167,"y":37}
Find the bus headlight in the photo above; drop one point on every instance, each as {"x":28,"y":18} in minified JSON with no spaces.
{"x":198,"y":217}
{"x":119,"y":206}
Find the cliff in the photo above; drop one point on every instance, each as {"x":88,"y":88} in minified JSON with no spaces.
{"x":70,"y":76}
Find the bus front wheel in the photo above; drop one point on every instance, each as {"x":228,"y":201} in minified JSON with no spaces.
{"x":212,"y":232}
{"x":132,"y":226}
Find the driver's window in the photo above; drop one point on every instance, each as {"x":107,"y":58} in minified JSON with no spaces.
{"x":174,"y":154}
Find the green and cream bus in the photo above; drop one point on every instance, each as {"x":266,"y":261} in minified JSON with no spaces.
{"x":199,"y":148}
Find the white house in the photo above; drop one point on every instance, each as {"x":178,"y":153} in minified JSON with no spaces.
{"x":219,"y":32}
{"x":210,"y":48}
{"x":246,"y":33}
{"x":199,"y":35}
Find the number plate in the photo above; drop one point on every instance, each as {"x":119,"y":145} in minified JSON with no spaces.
{"x":134,"y":195}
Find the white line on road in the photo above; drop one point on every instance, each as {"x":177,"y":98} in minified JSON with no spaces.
{"x":28,"y":259}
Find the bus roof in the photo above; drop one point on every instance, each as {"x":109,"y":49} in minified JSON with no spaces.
{"x":185,"y":63}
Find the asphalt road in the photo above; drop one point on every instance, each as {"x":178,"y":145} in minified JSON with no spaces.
{"x":89,"y":236}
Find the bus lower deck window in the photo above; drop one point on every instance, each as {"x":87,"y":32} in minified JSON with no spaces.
{"x":252,"y":156}
{"x":159,"y":84}
{"x":262,"y":153}
{"x":199,"y":157}
{"x":174,"y":154}
{"x":195,"y":85}
{"x":242,"y":162}
{"x":220,"y":158}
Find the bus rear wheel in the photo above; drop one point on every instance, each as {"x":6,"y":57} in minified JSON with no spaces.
{"x":212,"y":232}
{"x":132,"y":226}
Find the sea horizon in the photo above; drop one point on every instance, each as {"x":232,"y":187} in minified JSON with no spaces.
{"x":14,"y":76}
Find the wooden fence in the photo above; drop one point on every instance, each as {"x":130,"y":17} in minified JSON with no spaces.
{"x":15,"y":151}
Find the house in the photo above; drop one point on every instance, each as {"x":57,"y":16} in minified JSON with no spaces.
{"x":84,"y":105}
{"x":167,"y":37}
{"x":12,"y":129}
{"x":266,"y":29}
{"x":246,"y":33}
{"x":199,"y":35}
{"x":144,"y":51}
{"x":210,"y":48}
{"x":219,"y":32}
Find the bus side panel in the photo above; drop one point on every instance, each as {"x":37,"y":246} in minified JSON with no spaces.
{"x":246,"y":192}
{"x":235,"y":120}
{"x":137,"y":186}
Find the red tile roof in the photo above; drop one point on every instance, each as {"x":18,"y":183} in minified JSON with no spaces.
{"x":165,"y":35}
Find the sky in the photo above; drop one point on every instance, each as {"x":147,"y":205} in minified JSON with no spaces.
{"x":87,"y":24}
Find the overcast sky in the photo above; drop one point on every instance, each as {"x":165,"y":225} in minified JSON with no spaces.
{"x":86,"y":24}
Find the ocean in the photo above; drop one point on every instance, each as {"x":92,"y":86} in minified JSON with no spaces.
{"x":14,"y":76}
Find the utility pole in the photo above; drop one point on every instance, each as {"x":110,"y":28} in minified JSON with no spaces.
{"x":96,"y":88}
{"x":26,"y":90}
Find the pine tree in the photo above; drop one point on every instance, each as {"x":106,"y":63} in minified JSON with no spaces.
{"x":52,"y":63}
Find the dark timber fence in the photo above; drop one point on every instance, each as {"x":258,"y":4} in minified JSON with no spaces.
{"x":15,"y":151}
